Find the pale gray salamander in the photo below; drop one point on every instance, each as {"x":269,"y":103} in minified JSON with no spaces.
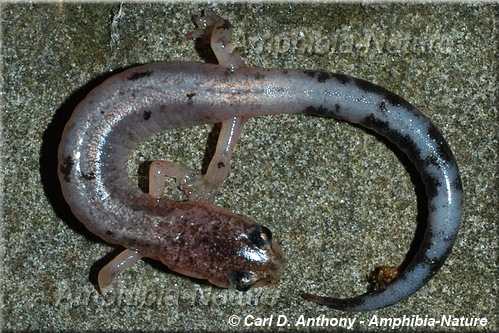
{"x":197,"y":238}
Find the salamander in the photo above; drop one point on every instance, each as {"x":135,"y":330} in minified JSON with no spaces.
{"x":197,"y":238}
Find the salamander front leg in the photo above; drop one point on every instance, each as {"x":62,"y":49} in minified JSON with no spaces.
{"x":107,"y":274}
{"x":157,"y":173}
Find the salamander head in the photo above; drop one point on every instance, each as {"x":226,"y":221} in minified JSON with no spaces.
{"x":260,"y":260}
{"x":228,"y":250}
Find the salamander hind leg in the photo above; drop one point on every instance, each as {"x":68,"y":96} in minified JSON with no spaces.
{"x":219,"y":33}
{"x":196,"y":186}
{"x":187,"y":179}
{"x":191,"y":182}
{"x":382,"y":276}
{"x":219,"y":167}
{"x":120,"y":263}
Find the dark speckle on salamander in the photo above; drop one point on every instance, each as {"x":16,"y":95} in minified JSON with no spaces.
{"x":88,"y":176}
{"x":225,"y":25}
{"x":139,"y":75}
{"x":318,"y":111}
{"x":190,"y":97}
{"x":66,"y":168}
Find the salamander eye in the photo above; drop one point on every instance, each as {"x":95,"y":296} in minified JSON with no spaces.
{"x":242,"y":280}
{"x":260,"y":236}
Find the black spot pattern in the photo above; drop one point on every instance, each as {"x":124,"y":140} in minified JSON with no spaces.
{"x":337,"y":108}
{"x":225,"y":25}
{"x":190,"y":98}
{"x":139,"y":75}
{"x":432,"y":166}
{"x":318,"y":111}
{"x":404,"y":142}
{"x":432,"y":185}
{"x":147,"y":115}
{"x":431,"y":160}
{"x":382,"y":107}
{"x":323,"y":77}
{"x":409,"y":147}
{"x":259,"y":76}
{"x":342,"y":78}
{"x":66,"y":167}
{"x":88,"y":176}
{"x":387,"y":95}
{"x":310,"y":73}
{"x":335,"y":303}
{"x":457,"y":183}
{"x":443,"y":148}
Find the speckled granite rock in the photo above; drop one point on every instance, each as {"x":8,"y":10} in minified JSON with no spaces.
{"x":339,"y":199}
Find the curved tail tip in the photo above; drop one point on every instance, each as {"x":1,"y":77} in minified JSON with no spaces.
{"x":313,"y":298}
{"x":347,"y":304}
